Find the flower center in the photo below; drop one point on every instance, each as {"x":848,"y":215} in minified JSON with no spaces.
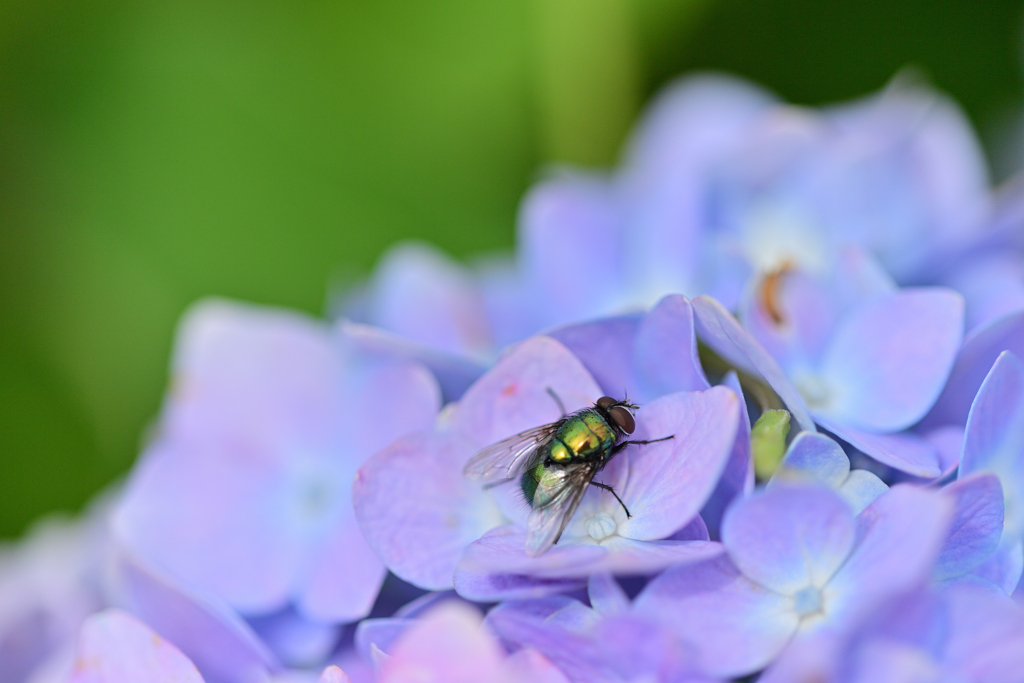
{"x":601,"y":526}
{"x":807,"y":601}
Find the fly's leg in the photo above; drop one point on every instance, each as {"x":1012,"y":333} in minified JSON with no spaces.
{"x":553,"y":395}
{"x":619,"y":447}
{"x":610,"y":490}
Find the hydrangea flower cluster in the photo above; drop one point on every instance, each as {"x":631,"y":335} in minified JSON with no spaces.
{"x":819,"y":315}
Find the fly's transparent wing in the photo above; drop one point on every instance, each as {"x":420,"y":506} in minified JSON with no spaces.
{"x":509,"y":458}
{"x":559,"y":493}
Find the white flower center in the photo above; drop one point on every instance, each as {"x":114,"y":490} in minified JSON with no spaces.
{"x":601,"y":526}
{"x":807,"y":601}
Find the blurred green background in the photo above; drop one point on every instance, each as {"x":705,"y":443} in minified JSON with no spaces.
{"x":153,"y":154}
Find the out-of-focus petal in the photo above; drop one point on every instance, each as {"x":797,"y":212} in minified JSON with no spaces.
{"x":976,"y":526}
{"x":889,"y":359}
{"x":789,"y":538}
{"x":210,"y":633}
{"x":987,"y":639}
{"x":417,"y":511}
{"x":736,"y":626}
{"x":214,"y":520}
{"x":253,"y":374}
{"x":670,"y":481}
{"x":606,"y":595}
{"x":454,"y":373}
{"x":114,"y":647}
{"x":345,"y":554}
{"x":419,"y":293}
{"x":979,"y":352}
{"x":860,"y":489}
{"x":568,"y":249}
{"x":717,"y":328}
{"x":333,"y":674}
{"x":446,"y":644}
{"x":1004,"y":567}
{"x":384,"y":397}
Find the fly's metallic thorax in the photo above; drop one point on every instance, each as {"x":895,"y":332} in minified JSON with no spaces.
{"x":585,"y":436}
{"x":582,"y":438}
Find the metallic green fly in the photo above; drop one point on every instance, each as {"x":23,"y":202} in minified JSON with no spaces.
{"x":555,"y":463}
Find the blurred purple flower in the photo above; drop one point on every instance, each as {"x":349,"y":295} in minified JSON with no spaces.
{"x":421,"y":515}
{"x":798,"y":561}
{"x":245,"y":492}
{"x":50,"y":581}
{"x":114,"y":647}
{"x":964,"y":633}
{"x":448,"y":644}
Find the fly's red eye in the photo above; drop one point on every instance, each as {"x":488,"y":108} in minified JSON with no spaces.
{"x":623,"y":418}
{"x":606,"y":401}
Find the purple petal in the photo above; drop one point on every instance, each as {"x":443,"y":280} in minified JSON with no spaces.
{"x":209,"y":518}
{"x":386,"y":387}
{"x":738,"y":476}
{"x":295,"y":640}
{"x":808,"y":309}
{"x":253,"y":374}
{"x":988,"y":630}
{"x":906,"y":451}
{"x":417,"y":511}
{"x":665,"y":353}
{"x":900,"y":534}
{"x":606,"y":595}
{"x":813,"y":457}
{"x":345,"y":553}
{"x":497,"y":567}
{"x":1004,"y":567}
{"x":223,"y":647}
{"x":949,"y":443}
{"x":737,"y":626}
{"x":530,"y":666}
{"x":889,"y":359}
{"x":114,"y":647}
{"x":333,"y":674}
{"x":976,"y":527}
{"x":446,"y":644}
{"x":995,"y":428}
{"x":980,"y":350}
{"x":420,"y":294}
{"x":717,"y":328}
{"x":639,"y":356}
{"x":671,"y":480}
{"x":788,"y":538}
{"x":605,"y":347}
{"x":559,"y":223}
{"x":513,"y":396}
{"x":860,"y":489}
{"x":454,"y":373}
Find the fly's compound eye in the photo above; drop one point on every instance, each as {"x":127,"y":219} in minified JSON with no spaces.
{"x":623,"y":418}
{"x":606,"y":401}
